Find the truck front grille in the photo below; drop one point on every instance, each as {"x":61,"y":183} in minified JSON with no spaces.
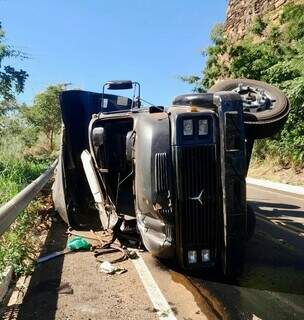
{"x":199,"y":219}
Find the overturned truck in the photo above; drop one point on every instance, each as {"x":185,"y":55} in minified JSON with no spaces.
{"x":178,"y":172}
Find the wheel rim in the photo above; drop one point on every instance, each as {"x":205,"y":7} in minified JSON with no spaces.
{"x":254,"y":99}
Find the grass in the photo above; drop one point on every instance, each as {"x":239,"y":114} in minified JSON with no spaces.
{"x":271,"y":169}
{"x":15,"y":175}
{"x":16,"y":171}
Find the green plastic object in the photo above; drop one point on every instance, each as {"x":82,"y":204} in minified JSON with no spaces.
{"x":78,"y":243}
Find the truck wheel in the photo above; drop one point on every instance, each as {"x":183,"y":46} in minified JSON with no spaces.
{"x":251,"y":221}
{"x":265,"y":107}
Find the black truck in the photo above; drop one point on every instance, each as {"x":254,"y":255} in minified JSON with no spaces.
{"x":179,"y":172}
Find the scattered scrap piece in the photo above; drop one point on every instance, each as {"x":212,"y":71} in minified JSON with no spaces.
{"x":107,"y":267}
{"x":65,"y":288}
{"x":74,"y":244}
{"x":53,"y":255}
{"x":78,"y":243}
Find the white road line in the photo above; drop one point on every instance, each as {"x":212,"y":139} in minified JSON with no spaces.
{"x":289,"y":195}
{"x":276,"y":185}
{"x":158,"y":300}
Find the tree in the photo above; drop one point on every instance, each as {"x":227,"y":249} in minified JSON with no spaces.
{"x":45,"y":113}
{"x":11,"y":80}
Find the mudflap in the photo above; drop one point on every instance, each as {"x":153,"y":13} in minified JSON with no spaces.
{"x":233,"y":173}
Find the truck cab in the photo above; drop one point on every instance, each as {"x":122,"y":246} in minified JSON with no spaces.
{"x":178,"y":171}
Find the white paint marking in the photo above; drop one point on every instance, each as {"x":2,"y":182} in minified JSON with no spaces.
{"x":158,"y":300}
{"x":276,"y":185}
{"x":289,"y":195}
{"x":265,"y":208}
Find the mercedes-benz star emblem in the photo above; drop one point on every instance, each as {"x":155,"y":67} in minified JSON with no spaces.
{"x":199,"y":197}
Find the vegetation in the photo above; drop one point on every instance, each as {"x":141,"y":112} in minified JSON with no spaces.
{"x":258,"y":26}
{"x":45,"y":113}
{"x":24,"y":154}
{"x":18,"y":167}
{"x":16,"y":171}
{"x":271,"y":53}
{"x":11,"y":80}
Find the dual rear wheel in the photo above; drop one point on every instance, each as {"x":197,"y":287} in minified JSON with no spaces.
{"x":265,"y":107}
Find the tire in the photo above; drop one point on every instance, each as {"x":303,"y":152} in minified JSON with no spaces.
{"x":262,"y":123}
{"x":251,"y":222}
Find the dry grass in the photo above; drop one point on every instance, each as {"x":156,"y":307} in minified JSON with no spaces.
{"x":270,"y":169}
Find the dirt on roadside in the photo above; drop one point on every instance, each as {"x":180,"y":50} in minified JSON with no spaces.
{"x":269,"y":170}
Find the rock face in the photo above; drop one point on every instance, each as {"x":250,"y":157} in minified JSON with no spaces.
{"x":240,"y":14}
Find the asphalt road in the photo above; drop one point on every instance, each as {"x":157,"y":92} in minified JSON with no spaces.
{"x":271,"y":287}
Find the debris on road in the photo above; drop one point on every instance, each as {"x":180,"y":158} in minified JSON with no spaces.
{"x":107,"y":243}
{"x":111,"y":248}
{"x":74,"y":244}
{"x":107,"y":267}
{"x":132,"y":254}
{"x":83,"y":234}
{"x":53,"y":255}
{"x":65,"y":288}
{"x":78,"y":243}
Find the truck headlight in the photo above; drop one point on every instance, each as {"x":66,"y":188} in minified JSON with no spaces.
{"x":188,"y":127}
{"x":205,"y":255}
{"x":203,"y":127}
{"x":192,"y":256}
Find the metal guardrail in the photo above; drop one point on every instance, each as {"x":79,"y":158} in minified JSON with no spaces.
{"x":10,"y":210}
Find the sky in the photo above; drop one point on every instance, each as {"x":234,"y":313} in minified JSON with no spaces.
{"x":89,"y":42}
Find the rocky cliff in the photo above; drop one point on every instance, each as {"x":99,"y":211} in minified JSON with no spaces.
{"x":240,"y":14}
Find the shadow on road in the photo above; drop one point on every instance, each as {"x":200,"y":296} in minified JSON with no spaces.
{"x":270,"y":264}
{"x":272,"y":283}
{"x":281,"y":206}
{"x":280,"y":213}
{"x":273,"y":265}
{"x":40,"y":301}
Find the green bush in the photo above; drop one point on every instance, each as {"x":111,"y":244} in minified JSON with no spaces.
{"x":276,"y":57}
{"x":294,"y":17}
{"x":16,"y":172}
{"x":17,"y":244}
{"x":259,"y":25}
